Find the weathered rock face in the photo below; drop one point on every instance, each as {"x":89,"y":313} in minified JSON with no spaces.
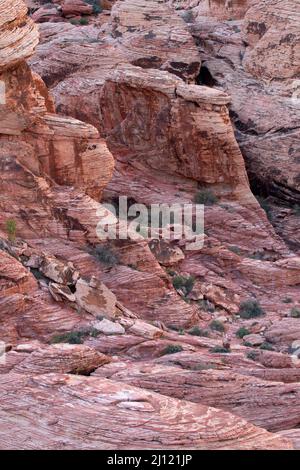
{"x":221,"y":9}
{"x":77,"y":11}
{"x":64,"y":149}
{"x":124,"y":303}
{"x":265,"y":28}
{"x":205,"y":386}
{"x":77,"y":69}
{"x":159,"y":107}
{"x":16,"y":28}
{"x":207,"y":428}
{"x":256,"y":61}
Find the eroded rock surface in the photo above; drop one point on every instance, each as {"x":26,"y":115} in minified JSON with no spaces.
{"x":96,"y":401}
{"x":148,"y":332}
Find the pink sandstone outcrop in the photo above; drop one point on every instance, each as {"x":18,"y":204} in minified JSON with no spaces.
{"x":163,"y":138}
{"x":276,"y":405}
{"x":265,"y":28}
{"x":221,"y":9}
{"x":163,"y":423}
{"x":256,"y":60}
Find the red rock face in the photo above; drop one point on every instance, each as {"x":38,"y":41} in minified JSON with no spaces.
{"x":156,"y":332}
{"x":256,"y":61}
{"x":221,"y":9}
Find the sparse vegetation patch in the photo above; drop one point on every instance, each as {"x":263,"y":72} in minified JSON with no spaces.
{"x":217,"y":326}
{"x":11,"y":229}
{"x":241,"y":332}
{"x":250,"y":309}
{"x":196,"y":331}
{"x":75,"y":337}
{"x":185,"y":284}
{"x":172,"y":349}
{"x":220,"y":349}
{"x":295,"y":312}
{"x":206,"y":197}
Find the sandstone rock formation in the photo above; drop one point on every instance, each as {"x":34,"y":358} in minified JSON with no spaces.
{"x":221,"y":9}
{"x":144,"y":330}
{"x":96,"y":401}
{"x":256,"y":61}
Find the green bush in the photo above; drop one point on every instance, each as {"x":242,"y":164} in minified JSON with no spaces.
{"x":267,"y":346}
{"x":241,"y":332}
{"x":253,"y":355}
{"x":96,"y":7}
{"x":250,"y":309}
{"x":172,"y":349}
{"x":217,"y":326}
{"x":219,"y":349}
{"x":105,"y":255}
{"x":188,"y":16}
{"x":206,"y":305}
{"x":83,"y":21}
{"x":295,"y":312}
{"x":235,"y":249}
{"x":206,"y":197}
{"x":257,"y":255}
{"x":185,"y":284}
{"x":296,"y":210}
{"x":196,"y":331}
{"x":75,"y":337}
{"x":11,"y":229}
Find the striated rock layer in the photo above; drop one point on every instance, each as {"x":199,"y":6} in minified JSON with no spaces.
{"x":142,"y":312}
{"x":162,"y":422}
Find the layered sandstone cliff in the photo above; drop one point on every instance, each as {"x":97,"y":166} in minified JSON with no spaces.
{"x":144,"y":348}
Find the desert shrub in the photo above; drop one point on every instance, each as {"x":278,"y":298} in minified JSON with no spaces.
{"x":235,"y":249}
{"x":96,"y":7}
{"x":174,"y":327}
{"x":253,"y":355}
{"x":183,"y":283}
{"x":196,"y":331}
{"x":287,"y":300}
{"x":188,"y":16}
{"x":172,"y":349}
{"x":257,"y":255}
{"x":217,"y":326}
{"x":206,"y":305}
{"x":171,"y":272}
{"x":267,"y":346}
{"x":241,"y":332}
{"x":105,"y":255}
{"x":11,"y":229}
{"x":206,"y":197}
{"x":250,"y":309}
{"x":219,"y":349}
{"x":83,"y":21}
{"x":75,"y":337}
{"x":296,"y":210}
{"x":295,"y":312}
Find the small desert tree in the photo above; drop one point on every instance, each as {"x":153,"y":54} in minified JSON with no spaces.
{"x":11,"y":228}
